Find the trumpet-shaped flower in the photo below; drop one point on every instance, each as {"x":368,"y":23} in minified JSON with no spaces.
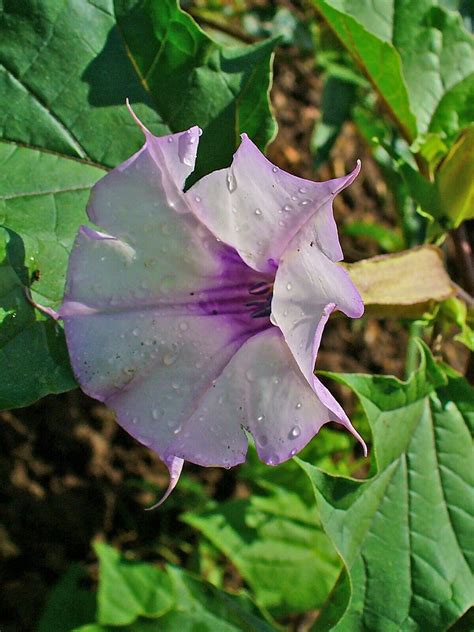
{"x":197,"y":316}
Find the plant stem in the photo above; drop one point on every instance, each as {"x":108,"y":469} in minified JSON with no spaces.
{"x":415,"y":331}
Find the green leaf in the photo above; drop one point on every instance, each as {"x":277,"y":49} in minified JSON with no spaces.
{"x":128,"y":590}
{"x":388,"y":239}
{"x":63,"y":87}
{"x":69,"y":604}
{"x":418,"y":56}
{"x":339,"y":95}
{"x":42,"y":201}
{"x":201,"y":606}
{"x":277,"y":545}
{"x":140,"y":597}
{"x":405,"y":535}
{"x":65,"y":84}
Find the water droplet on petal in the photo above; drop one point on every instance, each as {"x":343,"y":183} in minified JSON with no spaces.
{"x":298,"y":405}
{"x":293,"y":452}
{"x":288,"y":208}
{"x":281,"y":223}
{"x":170,"y":139}
{"x":249,"y":375}
{"x":305,"y":202}
{"x":155,"y":413}
{"x":134,"y":420}
{"x":231,"y":182}
{"x":177,"y":429}
{"x":260,"y":418}
{"x":197,"y":198}
{"x":258,"y":211}
{"x":274,"y":169}
{"x":169,"y":359}
{"x":294,"y":432}
{"x":289,"y":286}
{"x":302,"y":190}
{"x":183,"y":326}
{"x":135,"y":332}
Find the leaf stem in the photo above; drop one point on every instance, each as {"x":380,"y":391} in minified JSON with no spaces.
{"x":415,"y":331}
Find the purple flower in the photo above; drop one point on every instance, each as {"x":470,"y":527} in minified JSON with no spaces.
{"x":197,"y":316}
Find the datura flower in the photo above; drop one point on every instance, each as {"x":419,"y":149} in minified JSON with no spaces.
{"x":197,"y":316}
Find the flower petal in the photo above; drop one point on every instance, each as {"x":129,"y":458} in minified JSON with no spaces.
{"x":308,"y":288}
{"x":155,"y":307}
{"x":175,"y":467}
{"x":257,"y":208}
{"x":261,"y":390}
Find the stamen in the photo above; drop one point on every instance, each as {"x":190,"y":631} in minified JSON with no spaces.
{"x":260,"y":288}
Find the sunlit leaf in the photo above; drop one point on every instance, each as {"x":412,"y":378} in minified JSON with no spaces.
{"x":405,"y":535}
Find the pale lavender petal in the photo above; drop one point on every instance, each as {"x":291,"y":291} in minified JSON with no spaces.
{"x":155,"y":306}
{"x":261,"y":390}
{"x":308,"y":288}
{"x":175,"y":467}
{"x":257,"y":208}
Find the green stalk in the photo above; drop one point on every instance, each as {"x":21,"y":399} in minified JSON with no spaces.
{"x":415,"y":330}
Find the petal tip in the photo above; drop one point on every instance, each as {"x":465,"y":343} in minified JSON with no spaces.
{"x":175,"y":466}
{"x":144,"y":129}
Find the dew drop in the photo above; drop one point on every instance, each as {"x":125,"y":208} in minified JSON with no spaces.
{"x":170,"y":139}
{"x":260,"y":418}
{"x":289,"y":286}
{"x":302,"y":190}
{"x":257,"y":211}
{"x":177,"y":430}
{"x":134,"y":421}
{"x":135,"y":332}
{"x":169,"y":359}
{"x":281,"y":223}
{"x":183,"y":326}
{"x":231,"y":183}
{"x":288,"y":208}
{"x":274,"y":169}
{"x":305,"y":202}
{"x":293,"y":452}
{"x":197,"y":198}
{"x":298,"y":405}
{"x":155,"y":413}
{"x":294,"y":432}
{"x":276,"y":380}
{"x":249,"y":375}
{"x":294,"y":198}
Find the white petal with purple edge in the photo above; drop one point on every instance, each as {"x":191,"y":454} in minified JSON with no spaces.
{"x":257,"y":208}
{"x":154,"y":310}
{"x":308,"y":287}
{"x":261,"y":390}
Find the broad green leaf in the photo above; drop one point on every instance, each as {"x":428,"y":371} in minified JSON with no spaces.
{"x":140,"y":597}
{"x":64,"y":84}
{"x":201,"y":606}
{"x":42,"y":201}
{"x":339,"y":95}
{"x":387,"y":238}
{"x":69,"y":604}
{"x":65,"y":72}
{"x":129,"y":589}
{"x":417,"y":55}
{"x":277,"y":545}
{"x":455,"y":182}
{"x":405,"y":535}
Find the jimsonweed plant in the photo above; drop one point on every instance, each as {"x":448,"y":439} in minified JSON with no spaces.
{"x":197,"y":316}
{"x":186,"y":282}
